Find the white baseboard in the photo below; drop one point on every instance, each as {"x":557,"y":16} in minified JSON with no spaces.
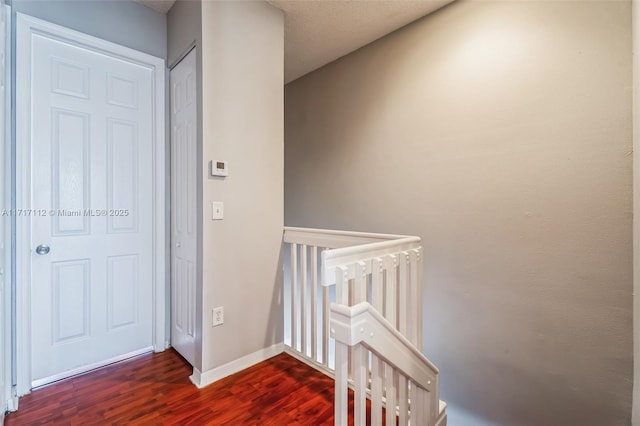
{"x":87,"y":368}
{"x":316,"y":366}
{"x":161,"y":348}
{"x":12,"y":404}
{"x":202,"y":379}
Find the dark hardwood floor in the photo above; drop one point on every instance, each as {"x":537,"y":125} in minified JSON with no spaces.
{"x":154,"y":389}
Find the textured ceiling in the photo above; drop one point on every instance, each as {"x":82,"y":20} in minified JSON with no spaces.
{"x":320,"y":31}
{"x":317,"y":32}
{"x":161,"y":6}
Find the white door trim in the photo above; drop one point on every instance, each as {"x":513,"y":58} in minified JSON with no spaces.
{"x":25,"y":28}
{"x":10,"y":401}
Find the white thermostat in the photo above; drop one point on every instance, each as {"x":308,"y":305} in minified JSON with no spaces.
{"x":218,"y":168}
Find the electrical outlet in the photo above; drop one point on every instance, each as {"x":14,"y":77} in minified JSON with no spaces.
{"x":218,"y":316}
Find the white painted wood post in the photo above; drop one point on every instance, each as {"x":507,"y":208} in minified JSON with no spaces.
{"x":420,"y":267}
{"x":391,"y":378}
{"x":414,"y":297}
{"x":377,"y":368}
{"x":314,"y":303}
{"x":303,"y":299}
{"x":391,"y":290}
{"x":416,"y":405}
{"x":403,"y":260}
{"x":360,"y":354}
{"x":325,"y":326}
{"x":342,"y":359}
{"x":428,"y":409}
{"x":403,"y":402}
{"x":294,"y":294}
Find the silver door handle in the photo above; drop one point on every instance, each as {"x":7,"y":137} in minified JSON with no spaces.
{"x":42,"y":249}
{"x":178,"y":245}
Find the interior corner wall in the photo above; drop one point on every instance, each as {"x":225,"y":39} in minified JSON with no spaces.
{"x":500,"y":133}
{"x":243,"y":74}
{"x":184,"y":31}
{"x":126,"y":23}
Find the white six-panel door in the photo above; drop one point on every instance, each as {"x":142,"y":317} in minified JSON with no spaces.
{"x":92,"y":219}
{"x":183,"y":206}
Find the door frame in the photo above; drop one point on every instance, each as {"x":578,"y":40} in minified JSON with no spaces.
{"x":4,"y":19}
{"x":26,"y":27}
{"x":6,"y":189}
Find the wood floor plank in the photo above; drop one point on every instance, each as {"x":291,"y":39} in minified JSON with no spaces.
{"x":154,"y":389}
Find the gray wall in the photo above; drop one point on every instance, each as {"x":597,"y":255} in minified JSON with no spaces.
{"x":499,"y":132}
{"x":123,"y":22}
{"x":243,"y":74}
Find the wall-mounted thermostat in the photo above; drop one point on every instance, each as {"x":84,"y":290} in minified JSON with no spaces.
{"x":218,"y":168}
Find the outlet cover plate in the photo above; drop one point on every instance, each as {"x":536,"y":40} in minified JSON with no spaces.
{"x":218,"y":316}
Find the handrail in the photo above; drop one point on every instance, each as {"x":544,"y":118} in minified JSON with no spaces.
{"x":348,"y":247}
{"x":333,"y":239}
{"x":331,"y":259}
{"x":361,"y":323}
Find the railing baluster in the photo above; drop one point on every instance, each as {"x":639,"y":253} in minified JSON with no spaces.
{"x":427,"y":409}
{"x":403,"y":402}
{"x":360,"y":355}
{"x":294,"y":294}
{"x":325,"y":317}
{"x":314,"y":303}
{"x":377,"y":276}
{"x":376,"y":390}
{"x":434,"y":401}
{"x":401,"y":314}
{"x":325,"y":326}
{"x":303,"y":299}
{"x":420,"y":268}
{"x":342,"y":362}
{"x":416,"y":406}
{"x":414,"y":299}
{"x":360,"y":359}
{"x":391,"y":378}
{"x":391,"y":290}
{"x":402,"y":294}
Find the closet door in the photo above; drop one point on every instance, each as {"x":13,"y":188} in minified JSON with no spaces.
{"x":183,"y":206}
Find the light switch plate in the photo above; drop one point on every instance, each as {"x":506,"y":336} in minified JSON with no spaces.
{"x":217,"y":210}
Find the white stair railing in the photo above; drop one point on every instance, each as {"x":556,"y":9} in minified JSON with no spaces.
{"x":362,"y":327}
{"x":336,"y":281}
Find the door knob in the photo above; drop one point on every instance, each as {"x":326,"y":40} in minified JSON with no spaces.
{"x":42,"y":249}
